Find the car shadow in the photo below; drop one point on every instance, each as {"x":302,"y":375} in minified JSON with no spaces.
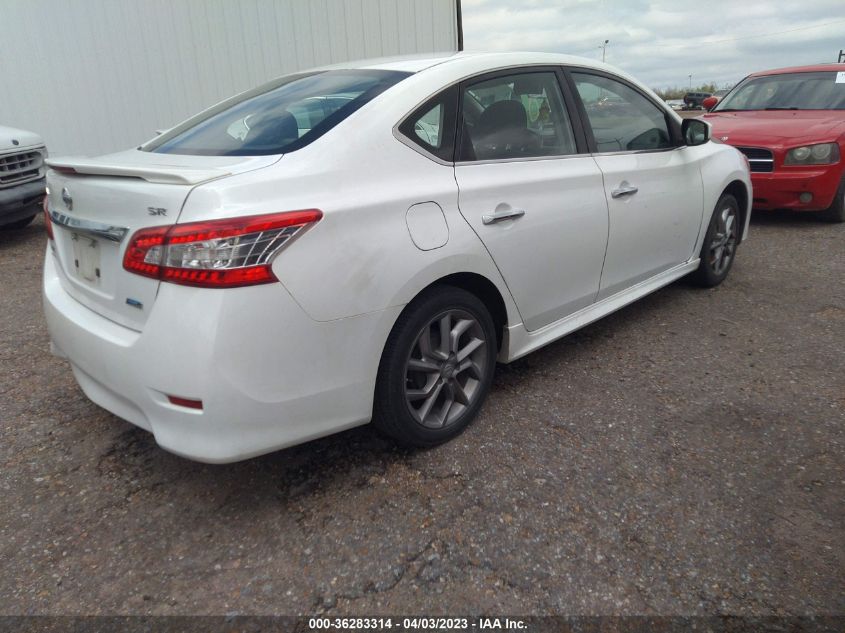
{"x":589,"y":338}
{"x":14,"y":237}
{"x":345,"y":461}
{"x":786,"y":218}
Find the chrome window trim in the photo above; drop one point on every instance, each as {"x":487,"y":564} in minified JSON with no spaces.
{"x":639,"y":151}
{"x":420,"y":150}
{"x":97,"y":229}
{"x":519,"y":159}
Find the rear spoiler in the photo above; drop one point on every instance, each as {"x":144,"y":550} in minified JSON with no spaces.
{"x":165,"y":174}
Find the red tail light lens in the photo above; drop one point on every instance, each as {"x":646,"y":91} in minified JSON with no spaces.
{"x":48,"y":225}
{"x":218,"y":253}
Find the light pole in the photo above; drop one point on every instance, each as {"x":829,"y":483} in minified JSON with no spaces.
{"x":690,"y":82}
{"x":603,"y":48}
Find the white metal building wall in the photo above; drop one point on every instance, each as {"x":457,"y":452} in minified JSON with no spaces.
{"x":94,"y":76}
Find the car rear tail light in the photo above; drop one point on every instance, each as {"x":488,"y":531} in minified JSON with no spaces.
{"x":48,"y":224}
{"x":219,"y":253}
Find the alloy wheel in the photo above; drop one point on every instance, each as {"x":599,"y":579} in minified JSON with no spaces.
{"x":723,"y":244}
{"x":445,"y":368}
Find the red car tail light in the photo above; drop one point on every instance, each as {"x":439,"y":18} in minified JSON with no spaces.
{"x":216,"y":254}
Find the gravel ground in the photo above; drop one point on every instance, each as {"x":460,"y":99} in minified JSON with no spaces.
{"x":683,"y":456}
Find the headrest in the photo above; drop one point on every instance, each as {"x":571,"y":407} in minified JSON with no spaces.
{"x":502,"y":114}
{"x":530,"y":84}
{"x":273,"y":129}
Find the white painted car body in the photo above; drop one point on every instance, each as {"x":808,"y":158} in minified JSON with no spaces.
{"x":283,"y":363}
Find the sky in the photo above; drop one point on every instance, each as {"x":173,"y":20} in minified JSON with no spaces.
{"x":663,"y":42}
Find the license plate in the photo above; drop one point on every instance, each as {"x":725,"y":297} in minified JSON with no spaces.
{"x":86,"y":257}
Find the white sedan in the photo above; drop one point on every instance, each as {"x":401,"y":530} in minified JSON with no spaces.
{"x":365,"y":242}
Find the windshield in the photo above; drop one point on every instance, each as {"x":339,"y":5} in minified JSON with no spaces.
{"x":791,"y":91}
{"x":279,"y":117}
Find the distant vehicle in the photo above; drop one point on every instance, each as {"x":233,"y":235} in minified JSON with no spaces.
{"x":291,"y":263}
{"x":22,"y":180}
{"x":608,"y":101}
{"x":790,"y":123}
{"x":710,"y":102}
{"x":675,"y":104}
{"x":693,"y":100}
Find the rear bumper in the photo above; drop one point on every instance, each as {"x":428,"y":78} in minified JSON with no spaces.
{"x":267,"y":374}
{"x":17,"y":202}
{"x":783,"y":189}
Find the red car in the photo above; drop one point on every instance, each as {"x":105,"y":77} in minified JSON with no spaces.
{"x":790,"y":124}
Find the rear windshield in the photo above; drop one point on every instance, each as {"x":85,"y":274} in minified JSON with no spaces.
{"x":279,"y":117}
{"x":790,"y":91}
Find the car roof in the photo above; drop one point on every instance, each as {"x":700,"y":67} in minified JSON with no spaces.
{"x":801,"y":69}
{"x":417,"y":63}
{"x":402,"y":63}
{"x":436,"y":70}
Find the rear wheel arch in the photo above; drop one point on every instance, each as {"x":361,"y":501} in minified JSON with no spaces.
{"x":448,"y":378}
{"x":481,"y":287}
{"x":486,"y":291}
{"x":474,"y":283}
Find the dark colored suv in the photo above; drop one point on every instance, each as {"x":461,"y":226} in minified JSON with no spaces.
{"x":693,"y":100}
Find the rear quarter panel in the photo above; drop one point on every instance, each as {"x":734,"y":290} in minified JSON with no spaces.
{"x":360,"y":257}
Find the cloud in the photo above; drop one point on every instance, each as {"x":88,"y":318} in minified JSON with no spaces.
{"x":663,"y":42}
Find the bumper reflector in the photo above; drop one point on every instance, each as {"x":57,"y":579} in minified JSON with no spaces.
{"x":185,"y":402}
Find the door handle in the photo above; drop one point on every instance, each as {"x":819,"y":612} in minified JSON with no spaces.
{"x":624,"y":189}
{"x":498,"y":216}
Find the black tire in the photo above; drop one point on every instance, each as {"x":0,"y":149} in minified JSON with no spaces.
{"x":715,"y":263}
{"x":394,"y":412}
{"x":836,"y":211}
{"x":17,"y":224}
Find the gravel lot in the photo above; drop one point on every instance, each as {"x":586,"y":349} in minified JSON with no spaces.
{"x":683,"y":456}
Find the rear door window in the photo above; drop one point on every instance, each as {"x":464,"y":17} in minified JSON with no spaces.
{"x":515,"y":116}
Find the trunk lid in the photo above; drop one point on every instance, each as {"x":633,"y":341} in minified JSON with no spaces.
{"x":98,"y":204}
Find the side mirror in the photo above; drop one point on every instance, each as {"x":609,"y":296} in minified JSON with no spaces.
{"x":695,"y":131}
{"x":709,"y":103}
